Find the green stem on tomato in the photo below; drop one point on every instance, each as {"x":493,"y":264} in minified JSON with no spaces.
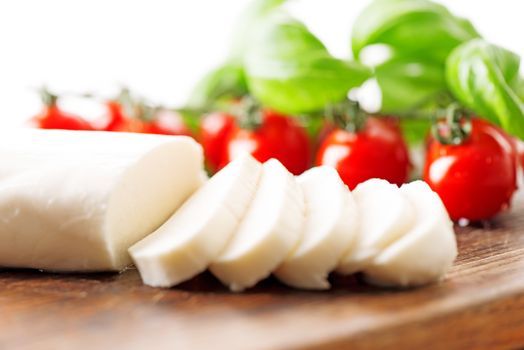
{"x":346,"y":115}
{"x":249,"y":113}
{"x":49,"y":99}
{"x":456,"y":127}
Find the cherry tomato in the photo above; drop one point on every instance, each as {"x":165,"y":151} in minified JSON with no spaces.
{"x":215,"y":129}
{"x":278,"y":136}
{"x":167,"y":122}
{"x":52,"y":117}
{"x":477,"y":178}
{"x":375,"y":151}
{"x":120,"y":122}
{"x":117,"y":119}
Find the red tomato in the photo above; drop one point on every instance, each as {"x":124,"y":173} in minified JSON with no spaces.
{"x":117,"y":119}
{"x":215,"y":128}
{"x":477,"y":178}
{"x":52,"y":117}
{"x":376,"y":151}
{"x":277,"y":137}
{"x":167,"y":122}
{"x":120,"y":122}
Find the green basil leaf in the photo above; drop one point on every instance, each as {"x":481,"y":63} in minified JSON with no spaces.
{"x":421,"y":27}
{"x":408,"y":83}
{"x":484,"y":77}
{"x":227,"y":81}
{"x":420,"y":34}
{"x":290,"y":70}
{"x":520,"y":88}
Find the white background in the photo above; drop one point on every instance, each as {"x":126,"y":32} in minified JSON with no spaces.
{"x":161,"y":48}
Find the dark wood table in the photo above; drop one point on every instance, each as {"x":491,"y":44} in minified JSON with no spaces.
{"x":480,"y":305}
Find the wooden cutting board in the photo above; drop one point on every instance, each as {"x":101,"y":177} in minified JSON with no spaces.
{"x":480,"y":304}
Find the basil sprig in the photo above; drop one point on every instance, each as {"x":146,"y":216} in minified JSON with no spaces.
{"x":409,"y":83}
{"x":485,"y":78}
{"x":420,"y":35}
{"x":289,"y":69}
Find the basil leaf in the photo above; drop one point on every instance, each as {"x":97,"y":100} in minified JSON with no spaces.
{"x":423,"y":28}
{"x":520,"y":88}
{"x":485,"y":78}
{"x":409,"y":83}
{"x":227,"y":81}
{"x":420,"y":34}
{"x":290,"y":70}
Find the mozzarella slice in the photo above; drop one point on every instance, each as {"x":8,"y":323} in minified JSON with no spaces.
{"x":426,"y":252}
{"x":76,"y":201}
{"x":331,"y":221}
{"x":267,"y":234}
{"x":385,"y":215}
{"x":186,"y":244}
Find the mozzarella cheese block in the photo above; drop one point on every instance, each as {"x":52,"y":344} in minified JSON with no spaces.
{"x":268,"y":233}
{"x":426,"y":252}
{"x":76,"y":201}
{"x":331,"y":222}
{"x":186,"y":244}
{"x":385,"y":215}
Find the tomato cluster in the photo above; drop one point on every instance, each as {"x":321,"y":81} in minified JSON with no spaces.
{"x":376,"y":150}
{"x":162,"y":121}
{"x":475,"y":177}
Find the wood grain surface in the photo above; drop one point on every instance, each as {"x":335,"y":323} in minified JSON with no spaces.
{"x":480,"y":305}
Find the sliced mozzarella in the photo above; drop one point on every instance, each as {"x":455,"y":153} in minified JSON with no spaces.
{"x":331,"y":219}
{"x":267,"y":234}
{"x":426,"y":252}
{"x":186,"y":244}
{"x":76,"y":201}
{"x":385,"y":215}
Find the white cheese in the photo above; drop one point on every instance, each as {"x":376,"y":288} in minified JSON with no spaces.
{"x":331,"y":222}
{"x":385,"y":215}
{"x":76,"y":201}
{"x":268,"y":233}
{"x":185,"y":245}
{"x":425,"y":253}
